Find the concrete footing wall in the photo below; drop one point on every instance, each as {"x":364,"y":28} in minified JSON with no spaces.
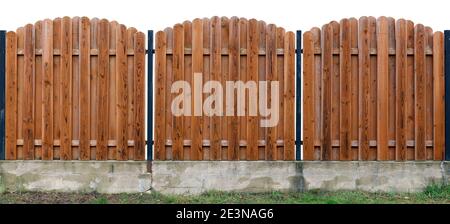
{"x":196,"y":177}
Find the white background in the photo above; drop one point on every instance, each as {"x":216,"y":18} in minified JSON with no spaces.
{"x":290,"y":14}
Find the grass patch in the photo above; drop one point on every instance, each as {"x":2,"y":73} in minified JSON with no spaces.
{"x":432,"y":194}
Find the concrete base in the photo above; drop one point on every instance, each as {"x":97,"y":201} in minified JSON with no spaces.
{"x":196,"y":177}
{"x":74,"y":176}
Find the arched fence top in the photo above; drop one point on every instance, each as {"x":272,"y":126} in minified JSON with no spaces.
{"x":373,"y":90}
{"x":75,"y":91}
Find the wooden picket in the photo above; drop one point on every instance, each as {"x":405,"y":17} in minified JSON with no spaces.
{"x":373,"y":90}
{"x":223,"y":49}
{"x":75,"y":91}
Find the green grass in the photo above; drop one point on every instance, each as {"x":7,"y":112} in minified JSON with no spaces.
{"x":432,"y":194}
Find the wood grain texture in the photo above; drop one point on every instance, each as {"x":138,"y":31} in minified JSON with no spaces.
{"x":103,"y":74}
{"x":66,"y":89}
{"x":289,"y":96}
{"x":345,"y":77}
{"x":85,"y":83}
{"x":139,"y":95}
{"x":308,"y":96}
{"x":160,"y":72}
{"x":121,"y":93}
{"x":197,"y":99}
{"x":28,"y":96}
{"x":382,"y":87}
{"x":327,"y":58}
{"x":420,"y":113}
{"x":11,"y":96}
{"x":439,"y":96}
{"x":401,"y":66}
{"x":252,"y":66}
{"x":178,"y":72}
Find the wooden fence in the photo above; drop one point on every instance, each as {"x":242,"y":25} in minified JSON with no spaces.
{"x":75,"y":91}
{"x":224,"y":49}
{"x":373,"y":90}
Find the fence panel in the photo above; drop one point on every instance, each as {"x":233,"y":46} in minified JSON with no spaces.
{"x":223,"y":50}
{"x":373,"y":90}
{"x":75,"y":91}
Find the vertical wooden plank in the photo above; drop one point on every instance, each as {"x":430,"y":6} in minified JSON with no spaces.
{"x":188,"y":77}
{"x":373,"y":90}
{"x":85,"y":114}
{"x":11,"y":96}
{"x":262,"y":76}
{"x":420,"y":113}
{"x":252,"y":63}
{"x":66,"y":89}
{"x":272,"y":75}
{"x":243,"y":76}
{"x":28,"y":96}
{"x":345,"y":77}
{"x":382,"y":86}
{"x":57,"y":101}
{"x":289,"y":96}
{"x":197,"y":99}
{"x":354,"y":88}
{"x":47,"y":70}
{"x":76,"y":86}
{"x":364,"y":82}
{"x":438,"y":96}
{"x":178,"y":70}
{"x":216,"y":75}
{"x":327,"y":58}
{"x":112,"y":102}
{"x":20,"y":86}
{"x":335,"y":90}
{"x":401,"y":66}
{"x":160,"y":115}
{"x":139,"y":86}
{"x":308,"y":96}
{"x":130,"y":91}
{"x":409,"y":91}
{"x":234,"y":63}
{"x":93,"y":85}
{"x":121,"y":93}
{"x":206,"y":77}
{"x":280,"y":71}
{"x":317,"y":40}
{"x":57,"y":86}
{"x":103,"y":71}
{"x":392,"y":88}
{"x":225,"y":75}
{"x":38,"y":89}
{"x":429,"y":105}
{"x":169,"y":96}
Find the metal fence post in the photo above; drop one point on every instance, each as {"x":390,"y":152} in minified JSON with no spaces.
{"x":298,"y":141}
{"x":150,"y":96}
{"x":447,"y":93}
{"x":2,"y":93}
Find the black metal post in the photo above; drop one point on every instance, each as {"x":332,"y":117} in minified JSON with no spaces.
{"x":2,"y":93}
{"x":298,"y":129}
{"x":150,"y":97}
{"x":447,"y":94}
